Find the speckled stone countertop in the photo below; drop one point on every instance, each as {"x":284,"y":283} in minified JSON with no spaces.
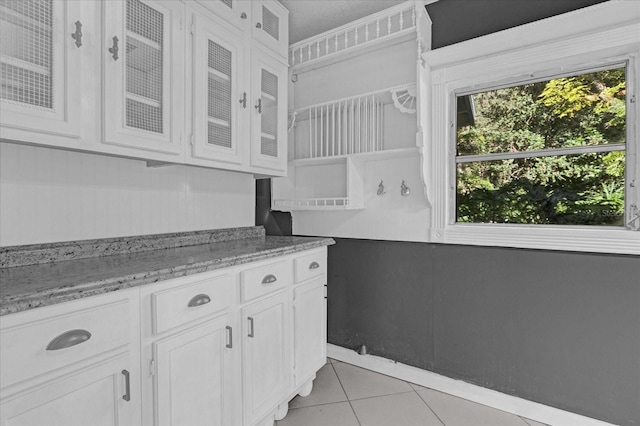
{"x":41,"y":284}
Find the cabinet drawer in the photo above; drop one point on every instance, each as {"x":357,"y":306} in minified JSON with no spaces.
{"x":265,"y":279}
{"x":177,"y":306}
{"x":62,"y":336}
{"x":310,"y":266}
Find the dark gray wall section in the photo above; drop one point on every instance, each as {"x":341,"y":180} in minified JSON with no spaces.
{"x":562,"y":329}
{"x":458,"y":20}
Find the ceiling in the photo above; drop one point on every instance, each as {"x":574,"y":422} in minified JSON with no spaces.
{"x":311,"y":17}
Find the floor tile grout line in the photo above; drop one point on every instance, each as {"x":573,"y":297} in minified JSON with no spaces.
{"x":345,"y":394}
{"x":429,"y":407}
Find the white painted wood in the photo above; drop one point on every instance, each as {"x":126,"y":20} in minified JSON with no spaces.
{"x":194,"y":376}
{"x":266,"y":355}
{"x":309,"y":266}
{"x":260,"y":61}
{"x":264,"y":279}
{"x":555,"y":46}
{"x":204,"y":32}
{"x":231,"y":13}
{"x":310,"y":331}
{"x":116,"y":130}
{"x":90,"y":196}
{"x":280,"y":44}
{"x":64,"y":118}
{"x":91,"y":396}
{"x":510,"y":404}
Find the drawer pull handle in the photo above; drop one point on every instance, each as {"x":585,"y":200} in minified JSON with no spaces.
{"x":314,"y":265}
{"x":250,"y":326}
{"x":230,"y":334}
{"x":68,"y":339}
{"x":269,"y":279}
{"x":127,"y":384}
{"x":200,"y":299}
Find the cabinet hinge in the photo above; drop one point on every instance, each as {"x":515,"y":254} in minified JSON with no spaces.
{"x":152,"y":368}
{"x":192,"y":29}
{"x":191,"y":139}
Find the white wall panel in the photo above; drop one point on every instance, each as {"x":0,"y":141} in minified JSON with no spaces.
{"x":51,"y":195}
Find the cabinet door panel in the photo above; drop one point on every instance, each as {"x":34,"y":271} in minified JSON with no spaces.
{"x":93,"y":396}
{"x":269,"y":123}
{"x":143,"y":58}
{"x":195,"y":376}
{"x":217,"y":109}
{"x":271,"y":25}
{"x":266,"y":356}
{"x":310,"y":325}
{"x":40,"y":68}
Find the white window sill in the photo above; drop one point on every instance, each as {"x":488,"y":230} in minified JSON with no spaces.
{"x":545,"y":237}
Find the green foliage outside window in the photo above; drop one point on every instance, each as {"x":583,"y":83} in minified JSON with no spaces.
{"x":581,"y":188}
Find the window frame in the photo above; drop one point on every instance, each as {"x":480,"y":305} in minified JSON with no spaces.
{"x":553,"y":47}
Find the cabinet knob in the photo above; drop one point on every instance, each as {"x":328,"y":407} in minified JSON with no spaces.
{"x":68,"y":339}
{"x":198,"y":300}
{"x":77,"y":35}
{"x":314,"y":265}
{"x":243,"y":15}
{"x":258,"y":25}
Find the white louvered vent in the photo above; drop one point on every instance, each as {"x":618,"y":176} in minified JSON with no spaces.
{"x":26,"y":58}
{"x":270,"y":23}
{"x":144,"y":59}
{"x":219,"y":96}
{"x":269,"y":115}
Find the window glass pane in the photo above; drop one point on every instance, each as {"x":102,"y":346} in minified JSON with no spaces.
{"x":579,"y":185}
{"x":585,"y":189}
{"x":582,"y":110}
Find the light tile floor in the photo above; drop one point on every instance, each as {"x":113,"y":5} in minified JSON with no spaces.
{"x":345,"y":395}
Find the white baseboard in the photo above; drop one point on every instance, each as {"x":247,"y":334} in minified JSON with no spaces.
{"x":510,"y":404}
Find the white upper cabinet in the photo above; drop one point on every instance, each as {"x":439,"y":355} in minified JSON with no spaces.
{"x":40,"y":56}
{"x":219,"y":94}
{"x":271,"y":25}
{"x":269,"y":113}
{"x":235,"y":12}
{"x":143,"y":62}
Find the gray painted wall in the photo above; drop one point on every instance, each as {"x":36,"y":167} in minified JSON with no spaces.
{"x":562,"y":329}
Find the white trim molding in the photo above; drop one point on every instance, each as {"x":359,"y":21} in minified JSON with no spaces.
{"x":510,"y":404}
{"x":595,"y":36}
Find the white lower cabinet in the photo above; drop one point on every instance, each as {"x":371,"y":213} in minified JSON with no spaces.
{"x":228,"y":348}
{"x":266,"y":355}
{"x":75,"y":363}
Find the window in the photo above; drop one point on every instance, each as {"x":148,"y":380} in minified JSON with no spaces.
{"x":545,"y":152}
{"x":533,"y":135}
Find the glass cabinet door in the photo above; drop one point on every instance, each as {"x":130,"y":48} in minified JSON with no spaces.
{"x":143,"y":59}
{"x":219,"y":101}
{"x":269,"y":123}
{"x":40,"y":54}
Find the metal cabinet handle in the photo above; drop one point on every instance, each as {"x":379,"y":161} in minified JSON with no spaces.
{"x":269,"y":279}
{"x":230,"y":336}
{"x":127,"y":384}
{"x":77,"y":35}
{"x":68,"y":339}
{"x":243,"y":15}
{"x":114,"y":49}
{"x":243,"y":100}
{"x":258,"y":106}
{"x":250,"y":326}
{"x":314,"y":265}
{"x":199,"y":299}
{"x":258,"y":25}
